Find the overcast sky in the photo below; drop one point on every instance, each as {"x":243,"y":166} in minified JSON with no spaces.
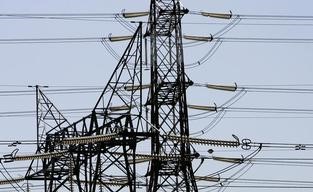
{"x":248,"y":64}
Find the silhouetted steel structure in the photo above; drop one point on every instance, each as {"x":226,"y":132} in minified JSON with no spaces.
{"x":94,"y":152}
{"x":169,"y":114}
{"x":136,"y":137}
{"x":98,"y":152}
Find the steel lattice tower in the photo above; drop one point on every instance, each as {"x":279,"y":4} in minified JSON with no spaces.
{"x":99,"y":151}
{"x":136,"y":137}
{"x":169,"y":114}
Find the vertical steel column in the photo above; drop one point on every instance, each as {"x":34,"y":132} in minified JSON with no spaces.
{"x":169,"y":113}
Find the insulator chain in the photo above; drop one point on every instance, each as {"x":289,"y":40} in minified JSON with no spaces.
{"x":154,"y":156}
{"x":221,"y":143}
{"x":208,"y":178}
{"x":11,"y":158}
{"x":115,"y":182}
{"x":71,"y":174}
{"x":88,"y":139}
{"x":39,"y":156}
{"x":9,"y":181}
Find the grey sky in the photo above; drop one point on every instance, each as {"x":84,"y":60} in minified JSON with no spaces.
{"x":89,"y":64}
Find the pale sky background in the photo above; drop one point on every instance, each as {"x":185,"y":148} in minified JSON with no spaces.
{"x":89,"y":64}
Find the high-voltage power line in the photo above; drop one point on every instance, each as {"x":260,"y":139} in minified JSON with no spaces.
{"x":137,"y":136}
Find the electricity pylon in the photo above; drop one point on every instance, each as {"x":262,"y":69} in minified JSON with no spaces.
{"x":99,"y":151}
{"x":169,"y":114}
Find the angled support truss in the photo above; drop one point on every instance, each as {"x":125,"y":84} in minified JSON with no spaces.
{"x":88,"y":165}
{"x":49,"y":122}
